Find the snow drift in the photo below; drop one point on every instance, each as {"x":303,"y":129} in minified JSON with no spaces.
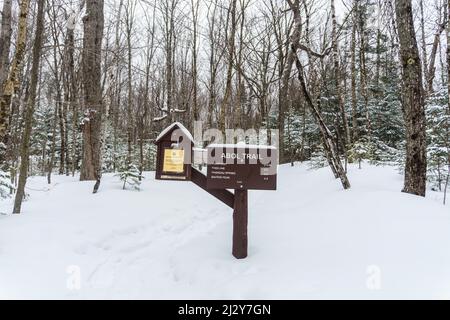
{"x":310,"y":239}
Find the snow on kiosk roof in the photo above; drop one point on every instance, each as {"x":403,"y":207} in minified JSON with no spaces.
{"x":173,"y":126}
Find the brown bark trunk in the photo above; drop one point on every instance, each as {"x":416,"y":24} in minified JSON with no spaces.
{"x":92,"y":124}
{"x":413,"y":101}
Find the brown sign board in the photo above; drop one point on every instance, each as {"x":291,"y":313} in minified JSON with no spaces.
{"x":173,"y":157}
{"x":242,"y":167}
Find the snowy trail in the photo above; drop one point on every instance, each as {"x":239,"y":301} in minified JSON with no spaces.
{"x":309,"y":239}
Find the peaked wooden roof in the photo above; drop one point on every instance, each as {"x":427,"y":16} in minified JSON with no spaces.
{"x":173,"y":126}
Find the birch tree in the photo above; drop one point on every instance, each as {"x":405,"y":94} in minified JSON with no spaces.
{"x":30,"y":107}
{"x":327,"y":138}
{"x":12,"y":83}
{"x":5,"y":42}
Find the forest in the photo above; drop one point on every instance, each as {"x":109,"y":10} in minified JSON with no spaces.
{"x":86,"y":86}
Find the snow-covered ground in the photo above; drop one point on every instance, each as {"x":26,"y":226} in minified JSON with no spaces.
{"x":309,"y":239}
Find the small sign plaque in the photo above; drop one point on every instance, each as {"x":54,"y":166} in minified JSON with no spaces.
{"x":173,"y":161}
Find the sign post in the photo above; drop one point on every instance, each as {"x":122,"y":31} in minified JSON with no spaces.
{"x":238,"y":166}
{"x":240,"y":223}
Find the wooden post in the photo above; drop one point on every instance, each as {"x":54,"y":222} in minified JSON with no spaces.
{"x":240,"y":221}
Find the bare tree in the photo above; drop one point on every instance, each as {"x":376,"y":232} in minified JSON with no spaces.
{"x":364,"y":90}
{"x":337,"y":74}
{"x":327,"y":138}
{"x":194,"y":11}
{"x":59,"y":83}
{"x":144,"y":113}
{"x":282,"y":29}
{"x":431,"y":72}
{"x":231,"y":41}
{"x":71,"y":82}
{"x":216,"y":52}
{"x":129,"y":18}
{"x":448,"y":106}
{"x":353,"y":75}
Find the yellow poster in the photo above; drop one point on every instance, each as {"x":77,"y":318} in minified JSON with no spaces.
{"x":173,"y":161}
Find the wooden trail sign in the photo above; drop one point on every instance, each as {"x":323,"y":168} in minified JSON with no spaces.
{"x":240,"y":167}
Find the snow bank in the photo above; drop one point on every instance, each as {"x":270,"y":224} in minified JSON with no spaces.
{"x":172,"y":240}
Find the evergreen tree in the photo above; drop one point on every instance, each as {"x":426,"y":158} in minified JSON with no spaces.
{"x":438,"y":123}
{"x":6,"y":187}
{"x":130,"y":176}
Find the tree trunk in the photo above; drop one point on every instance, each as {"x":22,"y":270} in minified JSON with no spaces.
{"x":169,"y":31}
{"x":424,"y":42}
{"x":230,"y":46}
{"x":447,"y":10}
{"x":195,"y":10}
{"x":413,"y":101}
{"x":129,"y":16}
{"x":92,"y":44}
{"x":53,"y":148}
{"x":116,"y":101}
{"x":432,"y":67}
{"x":71,"y":87}
{"x":12,"y":85}
{"x":30,"y":107}
{"x":353,"y":81}
{"x":58,"y":99}
{"x":215,"y":55}
{"x":337,"y":75}
{"x":284,"y":99}
{"x":5,"y":42}
{"x":361,"y":22}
